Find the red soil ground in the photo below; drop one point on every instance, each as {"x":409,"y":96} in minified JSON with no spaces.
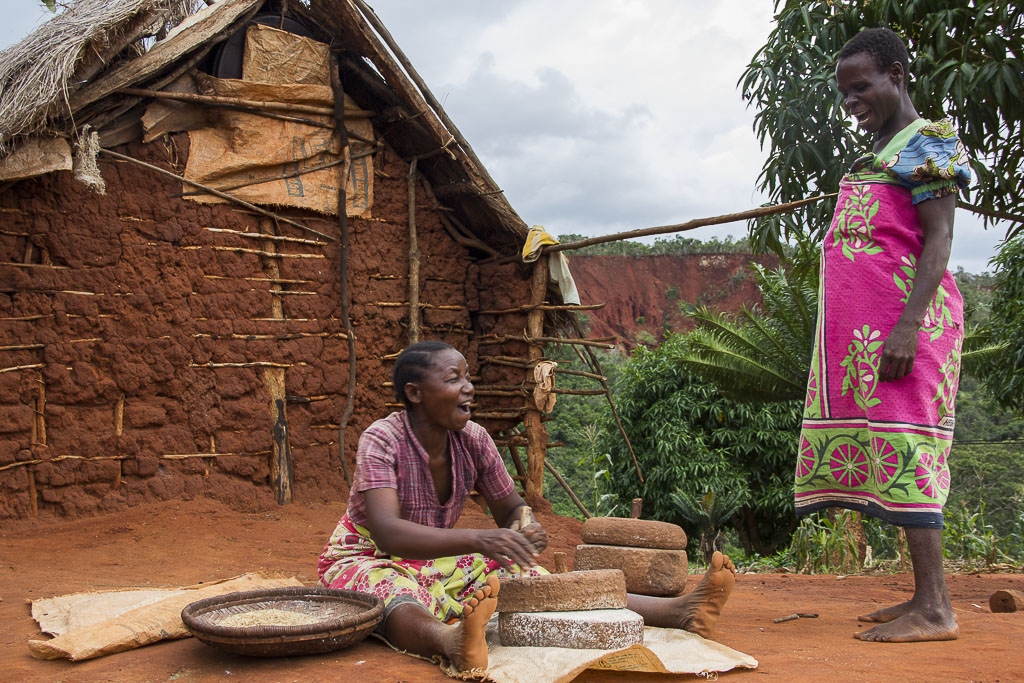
{"x":178,"y":543}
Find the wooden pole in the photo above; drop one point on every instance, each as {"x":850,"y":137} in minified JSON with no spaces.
{"x":281,"y":461}
{"x":559,"y":562}
{"x":346,"y":296}
{"x":239,"y":103}
{"x":536,"y":433}
{"x":565,"y":485}
{"x":414,"y":261}
{"x":421,"y":85}
{"x":636,"y":508}
{"x":517,"y":461}
{"x":545,"y":307}
{"x":280,"y":454}
{"x":759,"y":212}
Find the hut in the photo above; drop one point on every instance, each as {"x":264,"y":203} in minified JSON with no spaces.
{"x":217,"y":229}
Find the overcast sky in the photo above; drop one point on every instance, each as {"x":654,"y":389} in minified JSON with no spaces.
{"x":596,"y":116}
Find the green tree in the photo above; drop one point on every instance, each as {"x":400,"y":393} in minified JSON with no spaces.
{"x":1006,"y":376}
{"x":967,"y":63}
{"x":690,"y":437}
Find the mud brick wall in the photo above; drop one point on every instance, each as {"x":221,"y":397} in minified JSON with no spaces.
{"x":142,"y":339}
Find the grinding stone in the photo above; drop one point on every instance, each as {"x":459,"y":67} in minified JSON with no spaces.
{"x":635,"y":533}
{"x":648,"y":571}
{"x":604,"y":629}
{"x":589,"y":590}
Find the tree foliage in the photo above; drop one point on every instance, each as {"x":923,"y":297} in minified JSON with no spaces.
{"x":1006,"y":324}
{"x":967,"y":62}
{"x":688,"y":436}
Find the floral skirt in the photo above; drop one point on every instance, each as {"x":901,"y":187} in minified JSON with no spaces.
{"x":442,"y":586}
{"x":881,"y":448}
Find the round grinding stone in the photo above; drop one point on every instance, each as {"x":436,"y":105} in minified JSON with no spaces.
{"x":648,"y":571}
{"x":601,"y":629}
{"x":636,"y":533}
{"x":588,"y":590}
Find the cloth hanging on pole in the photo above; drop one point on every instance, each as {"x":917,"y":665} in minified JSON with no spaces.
{"x":558,"y":264}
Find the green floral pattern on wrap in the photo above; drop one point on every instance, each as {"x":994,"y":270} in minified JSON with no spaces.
{"x":861,"y":365}
{"x":853,"y":232}
{"x":938,"y":316}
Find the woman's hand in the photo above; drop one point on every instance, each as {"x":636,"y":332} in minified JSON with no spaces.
{"x":898,"y":353}
{"x":508,"y":547}
{"x":536,"y":535}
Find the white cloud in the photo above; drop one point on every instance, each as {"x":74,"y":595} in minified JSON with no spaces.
{"x":597,"y":116}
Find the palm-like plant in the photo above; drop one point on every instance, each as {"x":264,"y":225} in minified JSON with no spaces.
{"x":758,"y":356}
{"x":709,"y":513}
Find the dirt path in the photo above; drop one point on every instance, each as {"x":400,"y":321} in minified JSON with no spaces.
{"x":184,"y":543}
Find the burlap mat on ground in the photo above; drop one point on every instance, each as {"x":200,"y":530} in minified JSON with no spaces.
{"x":665,"y":650}
{"x":88,"y":625}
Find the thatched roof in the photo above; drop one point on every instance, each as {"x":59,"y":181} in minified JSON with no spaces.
{"x":70,"y":72}
{"x":39,"y":74}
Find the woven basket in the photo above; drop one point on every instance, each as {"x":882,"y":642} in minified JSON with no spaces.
{"x":343,"y":618}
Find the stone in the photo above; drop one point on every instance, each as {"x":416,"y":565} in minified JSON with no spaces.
{"x":602,"y":629}
{"x":635,"y":533}
{"x":572,"y":591}
{"x":648,"y":571}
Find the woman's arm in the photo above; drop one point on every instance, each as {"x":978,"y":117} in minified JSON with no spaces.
{"x":397,"y":536}
{"x":506,"y":512}
{"x":901,"y":345}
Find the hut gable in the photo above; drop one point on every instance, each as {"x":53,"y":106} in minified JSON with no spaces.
{"x":155,"y":347}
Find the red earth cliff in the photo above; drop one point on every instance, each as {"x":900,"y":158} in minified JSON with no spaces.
{"x":643,"y":293}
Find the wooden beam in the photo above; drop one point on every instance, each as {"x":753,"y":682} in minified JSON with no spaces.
{"x":536,"y":433}
{"x":759,"y":212}
{"x":414,"y":260}
{"x":240,"y":103}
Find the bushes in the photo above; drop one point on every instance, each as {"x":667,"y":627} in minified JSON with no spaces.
{"x":688,"y":436}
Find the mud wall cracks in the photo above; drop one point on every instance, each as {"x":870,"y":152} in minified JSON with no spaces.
{"x":154,"y":348}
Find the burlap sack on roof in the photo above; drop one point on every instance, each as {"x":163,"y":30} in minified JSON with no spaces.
{"x":238,"y":147}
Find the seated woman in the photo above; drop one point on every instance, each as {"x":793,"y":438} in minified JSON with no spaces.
{"x":414,"y":471}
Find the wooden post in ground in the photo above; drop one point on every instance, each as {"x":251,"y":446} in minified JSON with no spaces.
{"x":536,"y":433}
{"x":414,"y":261}
{"x":280,"y":455}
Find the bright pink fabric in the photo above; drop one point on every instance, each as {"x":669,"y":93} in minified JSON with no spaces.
{"x":871,"y":251}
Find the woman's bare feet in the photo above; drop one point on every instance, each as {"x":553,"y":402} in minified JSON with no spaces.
{"x":469,"y":643}
{"x":887,"y":614}
{"x":914,"y":626}
{"x":700,"y":608}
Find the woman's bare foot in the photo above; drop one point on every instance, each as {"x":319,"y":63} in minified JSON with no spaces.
{"x":887,"y":614}
{"x":469,"y":644}
{"x":914,"y":626}
{"x":699,"y":609}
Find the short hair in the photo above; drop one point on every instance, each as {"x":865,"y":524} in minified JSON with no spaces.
{"x":412,"y":364}
{"x":883,"y":45}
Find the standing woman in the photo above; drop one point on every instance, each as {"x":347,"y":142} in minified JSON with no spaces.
{"x":878,"y":419}
{"x":414,"y":471}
